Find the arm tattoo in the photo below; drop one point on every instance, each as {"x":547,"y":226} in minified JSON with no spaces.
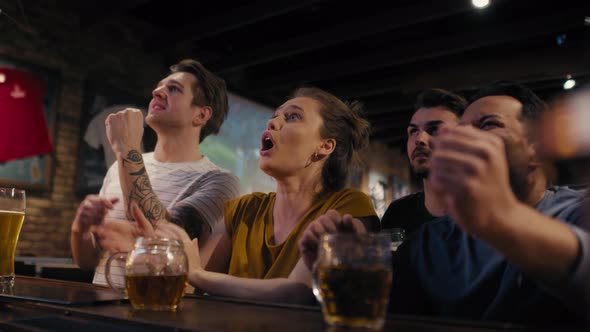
{"x":138,"y":173}
{"x":140,"y":189}
{"x":188,"y":218}
{"x":134,"y":156}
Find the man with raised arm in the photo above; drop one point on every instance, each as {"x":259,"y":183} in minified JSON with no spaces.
{"x":175,"y":182}
{"x":510,"y":249}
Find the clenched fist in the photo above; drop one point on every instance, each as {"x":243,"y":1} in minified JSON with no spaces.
{"x":125,"y":130}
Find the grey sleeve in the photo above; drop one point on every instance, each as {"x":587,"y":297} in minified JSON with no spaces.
{"x":578,"y":282}
{"x":574,"y":290}
{"x":211,"y":192}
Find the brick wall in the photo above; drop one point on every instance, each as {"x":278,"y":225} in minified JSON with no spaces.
{"x":109,"y":53}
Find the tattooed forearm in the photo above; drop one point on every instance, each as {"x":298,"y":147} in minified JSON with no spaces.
{"x":137,"y":188}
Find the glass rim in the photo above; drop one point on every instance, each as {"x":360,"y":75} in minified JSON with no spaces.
{"x":13,"y":200}
{"x":367,"y":249}
{"x":156,"y":240}
{"x":13,"y":189}
{"x":358,"y":236}
{"x":393,"y":230}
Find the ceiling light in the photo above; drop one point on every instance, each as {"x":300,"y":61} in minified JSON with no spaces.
{"x":561,"y":38}
{"x":569,"y":83}
{"x":2,"y":78}
{"x":480,"y":3}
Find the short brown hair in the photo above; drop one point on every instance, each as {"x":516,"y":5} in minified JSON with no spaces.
{"x":441,"y":98}
{"x":344,"y":123}
{"x":208,"y":90}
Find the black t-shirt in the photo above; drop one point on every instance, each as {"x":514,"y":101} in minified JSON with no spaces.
{"x":408,"y":212}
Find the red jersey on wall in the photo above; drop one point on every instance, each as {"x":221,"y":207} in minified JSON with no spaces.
{"x":23,"y":128}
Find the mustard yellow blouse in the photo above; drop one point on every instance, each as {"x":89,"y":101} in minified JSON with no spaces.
{"x":249,"y":221}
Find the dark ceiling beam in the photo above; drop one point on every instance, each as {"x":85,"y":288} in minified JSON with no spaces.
{"x":385,"y":116}
{"x":229,"y":20}
{"x":348,"y":31}
{"x":526,"y":67}
{"x":95,"y":12}
{"x":549,"y":68}
{"x":425,"y":49}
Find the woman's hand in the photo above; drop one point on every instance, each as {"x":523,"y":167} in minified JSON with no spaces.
{"x":173,"y":231}
{"x":167,"y":229}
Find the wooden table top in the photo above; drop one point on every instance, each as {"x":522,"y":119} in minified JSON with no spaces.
{"x":195,"y":314}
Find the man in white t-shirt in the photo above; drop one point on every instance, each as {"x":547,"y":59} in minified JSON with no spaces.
{"x":176,"y":181}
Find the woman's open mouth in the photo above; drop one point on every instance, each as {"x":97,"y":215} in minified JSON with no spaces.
{"x":267,"y":142}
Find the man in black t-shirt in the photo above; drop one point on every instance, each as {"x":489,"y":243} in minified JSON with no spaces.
{"x":434,"y":108}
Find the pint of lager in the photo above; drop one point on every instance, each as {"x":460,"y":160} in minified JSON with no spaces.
{"x":12,"y":215}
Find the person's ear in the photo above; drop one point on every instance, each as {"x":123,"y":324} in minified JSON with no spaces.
{"x":532,"y":148}
{"x":202,"y":115}
{"x":326,"y":148}
{"x":535,"y":160}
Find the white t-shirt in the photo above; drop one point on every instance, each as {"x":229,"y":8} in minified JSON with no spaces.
{"x":200,"y":184}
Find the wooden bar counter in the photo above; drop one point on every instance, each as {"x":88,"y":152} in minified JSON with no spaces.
{"x":50,"y":305}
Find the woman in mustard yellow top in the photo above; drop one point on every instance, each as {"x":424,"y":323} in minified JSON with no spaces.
{"x":308,"y":148}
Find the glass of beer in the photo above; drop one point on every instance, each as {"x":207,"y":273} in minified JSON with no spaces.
{"x":156,"y":274}
{"x":12,"y":215}
{"x":352,"y":279}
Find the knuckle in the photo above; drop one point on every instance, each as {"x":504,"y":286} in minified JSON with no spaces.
{"x":477,"y":169}
{"x":496,"y":141}
{"x":486,"y":152}
{"x":316,"y":227}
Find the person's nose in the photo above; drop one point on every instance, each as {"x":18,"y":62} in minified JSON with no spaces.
{"x":422,"y":138}
{"x":274,"y":123}
{"x":159,"y":92}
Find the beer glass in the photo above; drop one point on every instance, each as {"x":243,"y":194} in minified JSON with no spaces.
{"x":12,"y":215}
{"x":156,"y":273}
{"x":352,"y":279}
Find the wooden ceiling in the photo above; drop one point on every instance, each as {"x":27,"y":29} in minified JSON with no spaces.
{"x":380,"y":52}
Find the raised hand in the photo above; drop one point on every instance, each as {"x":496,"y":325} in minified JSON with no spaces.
{"x":125,"y":130}
{"x":470,"y":169}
